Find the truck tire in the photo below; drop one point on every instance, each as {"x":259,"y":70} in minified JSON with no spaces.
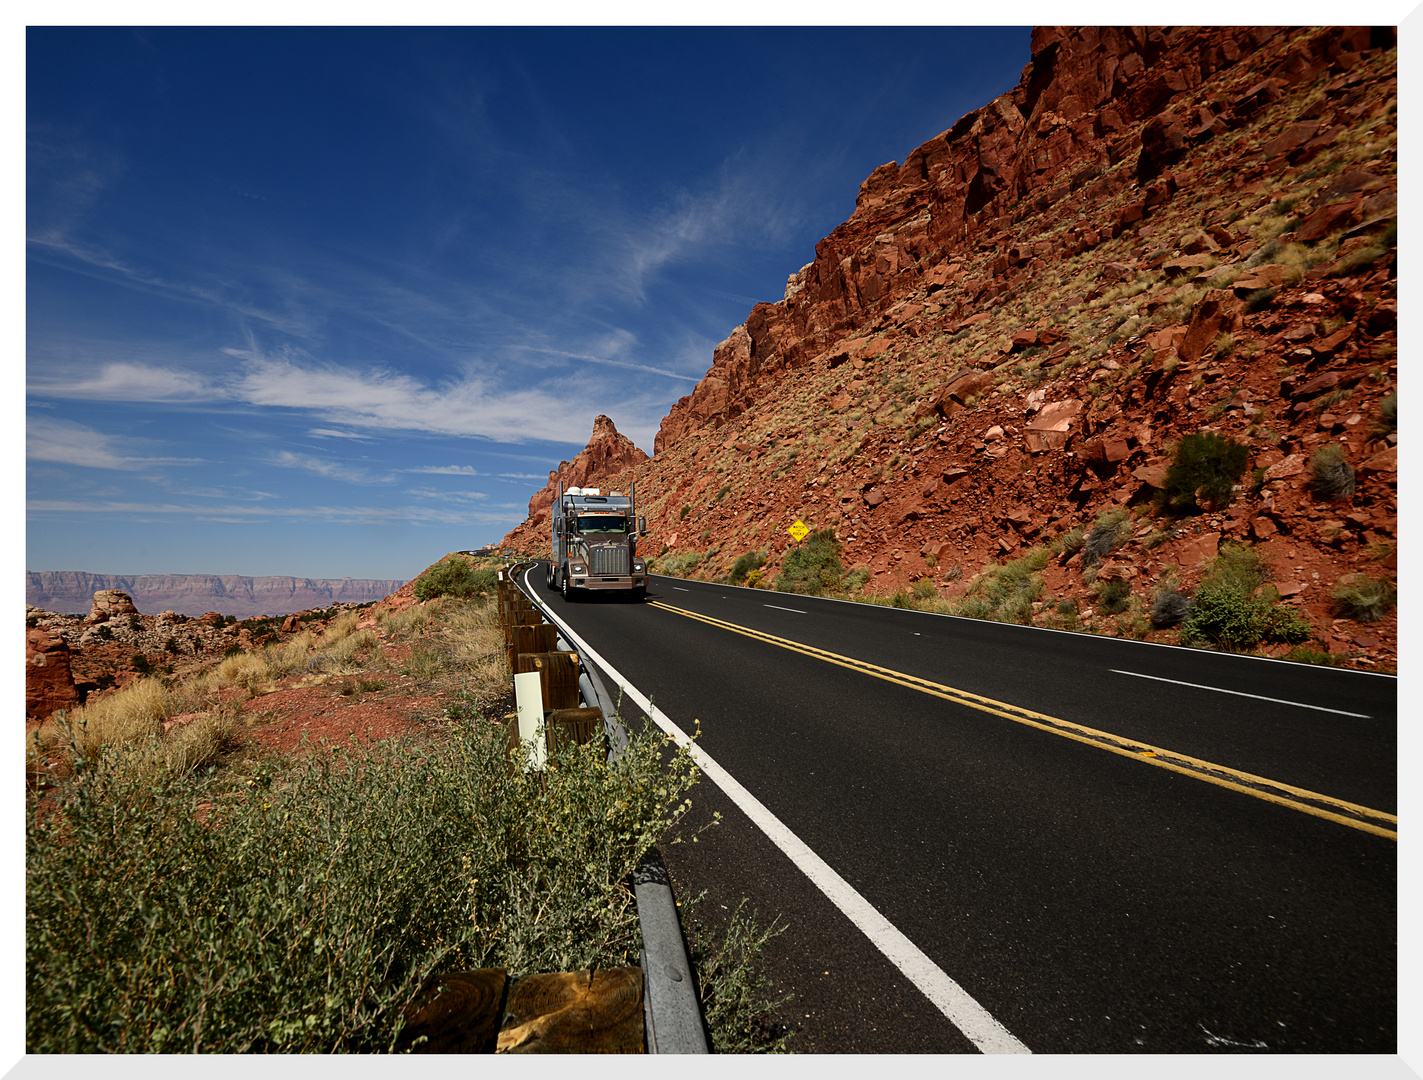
{"x":567,"y":592}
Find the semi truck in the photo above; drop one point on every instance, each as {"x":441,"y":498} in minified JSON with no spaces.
{"x":595,"y":543}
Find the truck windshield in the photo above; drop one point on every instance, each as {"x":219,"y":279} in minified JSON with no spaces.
{"x":602,"y":523}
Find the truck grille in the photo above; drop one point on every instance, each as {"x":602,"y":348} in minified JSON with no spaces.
{"x":608,"y":560}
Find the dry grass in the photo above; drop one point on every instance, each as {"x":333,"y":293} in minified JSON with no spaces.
{"x":340,"y":628}
{"x":132,"y":719}
{"x":476,"y":642}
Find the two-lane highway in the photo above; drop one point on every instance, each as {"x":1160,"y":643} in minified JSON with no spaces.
{"x":1103,"y":845}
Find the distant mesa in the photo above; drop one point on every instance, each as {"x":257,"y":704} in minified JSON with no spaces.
{"x":74,"y":591}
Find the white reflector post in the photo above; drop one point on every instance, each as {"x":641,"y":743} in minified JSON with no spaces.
{"x":529,"y":696}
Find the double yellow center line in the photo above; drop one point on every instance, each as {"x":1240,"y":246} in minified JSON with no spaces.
{"x":1307,"y":802}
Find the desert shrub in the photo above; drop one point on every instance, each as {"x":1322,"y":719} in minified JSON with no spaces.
{"x":1006,"y":593}
{"x":1330,"y":474}
{"x":813,"y":567}
{"x":1306,"y":654}
{"x":1235,"y":609}
{"x":1070,"y":542}
{"x":1387,"y":420}
{"x":732,"y":985}
{"x":304,"y":914}
{"x":743,"y":565}
{"x":679,"y":563}
{"x":141,"y":664}
{"x":454,"y":577}
{"x":1113,"y":597}
{"x":1109,"y":532}
{"x":1203,"y":472}
{"x":339,"y":627}
{"x":247,"y":670}
{"x":1169,"y":608}
{"x":1362,"y":598}
{"x":1260,"y":299}
{"x":291,"y":656}
{"x":856,"y":578}
{"x":343,"y":654}
{"x":924,"y":589}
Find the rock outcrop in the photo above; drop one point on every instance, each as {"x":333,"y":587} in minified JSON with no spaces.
{"x":607,"y":456}
{"x":49,"y":682}
{"x":1157,"y":232}
{"x":108,"y":603}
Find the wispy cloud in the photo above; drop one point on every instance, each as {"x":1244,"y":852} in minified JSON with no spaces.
{"x":332,"y":470}
{"x":446,"y":496}
{"x":70,"y":443}
{"x":332,"y":433}
{"x":126,"y":382}
{"x":446,"y":470}
{"x":390,"y":400}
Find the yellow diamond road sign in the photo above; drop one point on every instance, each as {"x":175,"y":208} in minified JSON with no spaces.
{"x":798,"y":530}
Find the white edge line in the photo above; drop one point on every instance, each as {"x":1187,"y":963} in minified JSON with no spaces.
{"x":1242,"y":693}
{"x":956,"y":1003}
{"x":778,"y":607}
{"x":1072,"y":633}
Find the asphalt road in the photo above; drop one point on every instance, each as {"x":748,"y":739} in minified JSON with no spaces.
{"x":1079,"y":887}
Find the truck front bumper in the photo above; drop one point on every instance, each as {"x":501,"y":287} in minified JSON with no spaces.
{"x":609,"y":581}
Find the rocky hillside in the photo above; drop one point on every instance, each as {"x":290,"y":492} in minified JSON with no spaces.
{"x":1158,"y":232}
{"x":195,"y":594}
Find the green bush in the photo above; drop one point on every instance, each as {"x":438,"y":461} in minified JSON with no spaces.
{"x":744,"y":564}
{"x":453,"y":577}
{"x":1362,"y":598}
{"x":1235,"y":609}
{"x":304,"y":915}
{"x":1006,"y":593}
{"x":1113,"y":597}
{"x":1330,"y":474}
{"x":678,"y":563}
{"x":813,"y":567}
{"x":1203,"y":473}
{"x":924,"y":589}
{"x":856,"y":578}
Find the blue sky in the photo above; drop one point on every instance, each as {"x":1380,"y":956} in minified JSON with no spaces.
{"x":332,"y":302}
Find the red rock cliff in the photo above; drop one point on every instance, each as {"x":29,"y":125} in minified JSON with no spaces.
{"x":1047,"y":143}
{"x":607,"y":455}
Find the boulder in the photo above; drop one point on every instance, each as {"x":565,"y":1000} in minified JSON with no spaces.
{"x":1215,"y":314}
{"x":109,"y":603}
{"x":49,"y":680}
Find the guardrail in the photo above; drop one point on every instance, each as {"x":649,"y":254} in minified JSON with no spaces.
{"x":672,"y":1015}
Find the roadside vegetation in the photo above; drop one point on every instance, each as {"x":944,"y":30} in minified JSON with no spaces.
{"x":187,"y":891}
{"x":1234,"y":607}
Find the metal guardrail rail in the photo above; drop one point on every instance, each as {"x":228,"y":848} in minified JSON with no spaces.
{"x":672,"y":1015}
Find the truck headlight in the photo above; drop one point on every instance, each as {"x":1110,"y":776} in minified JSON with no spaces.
{"x":637,"y":566}
{"x":578,"y":568}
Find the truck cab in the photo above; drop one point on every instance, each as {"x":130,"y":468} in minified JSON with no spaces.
{"x":594,"y":543}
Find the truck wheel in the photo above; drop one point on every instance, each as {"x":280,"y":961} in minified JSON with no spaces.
{"x":567,"y":592}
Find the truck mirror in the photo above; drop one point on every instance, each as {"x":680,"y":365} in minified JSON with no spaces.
{"x":642,"y":526}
